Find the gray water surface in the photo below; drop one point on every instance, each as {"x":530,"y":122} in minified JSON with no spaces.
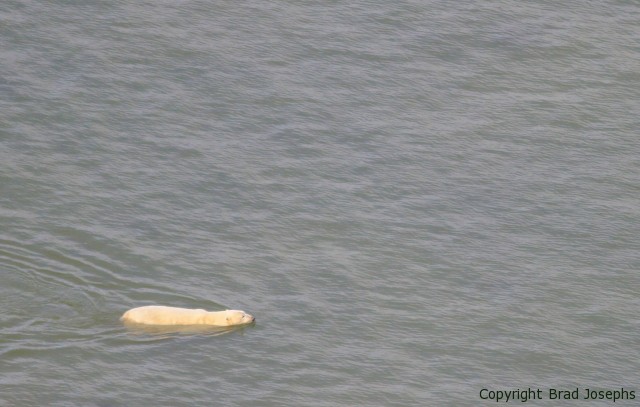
{"x":417,"y":200}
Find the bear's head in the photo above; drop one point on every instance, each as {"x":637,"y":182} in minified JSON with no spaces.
{"x":237,"y":317}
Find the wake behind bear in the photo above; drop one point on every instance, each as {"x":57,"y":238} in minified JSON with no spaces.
{"x":162,"y":315}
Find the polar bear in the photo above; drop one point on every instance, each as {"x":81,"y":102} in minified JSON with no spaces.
{"x":161,"y":315}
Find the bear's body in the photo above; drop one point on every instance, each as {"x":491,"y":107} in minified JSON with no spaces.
{"x":161,"y":315}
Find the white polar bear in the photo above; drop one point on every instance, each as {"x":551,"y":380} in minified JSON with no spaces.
{"x":161,"y":315}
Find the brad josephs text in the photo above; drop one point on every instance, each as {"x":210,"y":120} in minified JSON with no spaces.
{"x":525,"y":395}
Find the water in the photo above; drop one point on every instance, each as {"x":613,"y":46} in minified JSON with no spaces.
{"x":417,"y":200}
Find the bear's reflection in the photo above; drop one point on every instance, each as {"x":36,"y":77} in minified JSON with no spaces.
{"x":168,"y":331}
